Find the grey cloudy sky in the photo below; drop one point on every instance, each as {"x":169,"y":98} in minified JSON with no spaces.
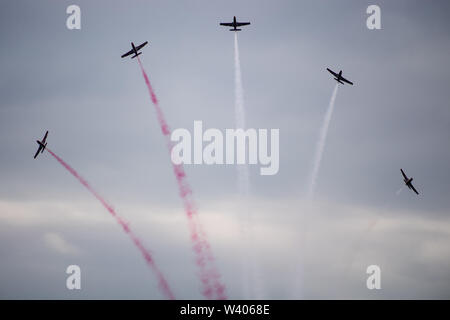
{"x":96,"y":107}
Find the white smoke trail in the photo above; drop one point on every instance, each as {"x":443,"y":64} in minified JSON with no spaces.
{"x":243,"y":175}
{"x":242,"y":170}
{"x":248,"y":256}
{"x":358,"y":244}
{"x":321,"y":144}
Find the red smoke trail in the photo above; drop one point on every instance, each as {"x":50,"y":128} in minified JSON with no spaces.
{"x":209,"y":277}
{"x":162,"y":283}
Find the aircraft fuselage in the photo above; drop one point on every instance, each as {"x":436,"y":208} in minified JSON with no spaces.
{"x":235,"y":25}
{"x":339,"y":77}
{"x":42,"y":145}
{"x":408,"y":181}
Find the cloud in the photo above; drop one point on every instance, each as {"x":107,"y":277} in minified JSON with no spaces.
{"x":57,"y":243}
{"x":326,"y":245}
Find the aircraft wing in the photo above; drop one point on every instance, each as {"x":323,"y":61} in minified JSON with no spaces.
{"x":240,"y":24}
{"x":127,"y":54}
{"x":227,"y":24}
{"x":345,"y":80}
{"x":332,"y":72}
{"x":45,"y":137}
{"x":37,"y":152}
{"x":141,"y":45}
{"x":414,"y":189}
{"x":404,"y":175}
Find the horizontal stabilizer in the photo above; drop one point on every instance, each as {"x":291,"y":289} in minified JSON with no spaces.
{"x":235,"y":29}
{"x":136,"y":55}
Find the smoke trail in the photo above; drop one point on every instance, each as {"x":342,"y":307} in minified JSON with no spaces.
{"x":248,"y":255}
{"x":321,"y":144}
{"x":209,"y":276}
{"x":162,"y":283}
{"x":243,"y":175}
{"x":370,"y":228}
